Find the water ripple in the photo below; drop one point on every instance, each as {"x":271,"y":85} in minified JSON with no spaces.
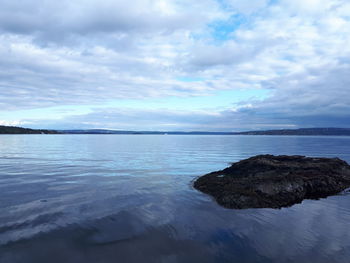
{"x":107,"y":198}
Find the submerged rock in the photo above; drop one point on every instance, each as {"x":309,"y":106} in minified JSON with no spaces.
{"x":268,"y":181}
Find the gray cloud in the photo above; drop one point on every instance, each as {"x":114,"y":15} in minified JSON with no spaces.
{"x":163,"y":119}
{"x":306,"y":99}
{"x":55,"y":19}
{"x":57,"y":53}
{"x":64,"y":53}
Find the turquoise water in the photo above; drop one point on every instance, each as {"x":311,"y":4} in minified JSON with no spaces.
{"x":128,"y":198}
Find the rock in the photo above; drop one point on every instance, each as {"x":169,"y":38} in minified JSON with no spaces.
{"x":268,"y":181}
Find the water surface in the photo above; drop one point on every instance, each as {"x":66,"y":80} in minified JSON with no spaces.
{"x":128,"y":198}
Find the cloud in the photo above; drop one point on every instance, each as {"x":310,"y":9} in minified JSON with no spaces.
{"x":87,"y":53}
{"x":316,"y":97}
{"x":161,"y":120}
{"x":9,"y":123}
{"x":53,"y":20}
{"x":247,"y":7}
{"x":310,"y":7}
{"x":206,"y":56}
{"x":65,"y":53}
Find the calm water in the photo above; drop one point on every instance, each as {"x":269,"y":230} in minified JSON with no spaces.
{"x":121,"y":198}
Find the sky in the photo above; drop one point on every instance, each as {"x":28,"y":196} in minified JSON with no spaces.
{"x":175,"y":65}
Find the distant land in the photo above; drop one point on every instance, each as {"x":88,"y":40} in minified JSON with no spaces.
{"x":300,"y":132}
{"x":303,"y":131}
{"x":104,"y":131}
{"x":19,"y":130}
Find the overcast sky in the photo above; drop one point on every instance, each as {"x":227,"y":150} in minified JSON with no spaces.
{"x":216,"y":65}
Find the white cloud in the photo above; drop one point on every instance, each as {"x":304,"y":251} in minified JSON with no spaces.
{"x":247,"y":7}
{"x":309,"y":7}
{"x":77,"y":52}
{"x":10,"y":123}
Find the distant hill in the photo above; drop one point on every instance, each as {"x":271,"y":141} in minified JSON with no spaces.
{"x":19,"y":130}
{"x":303,"y":131}
{"x":105,"y":131}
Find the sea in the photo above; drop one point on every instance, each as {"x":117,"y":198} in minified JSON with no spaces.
{"x":129,"y":198}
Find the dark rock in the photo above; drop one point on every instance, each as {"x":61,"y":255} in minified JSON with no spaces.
{"x":268,"y":181}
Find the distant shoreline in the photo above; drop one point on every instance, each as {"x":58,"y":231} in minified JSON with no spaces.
{"x":282,"y":132}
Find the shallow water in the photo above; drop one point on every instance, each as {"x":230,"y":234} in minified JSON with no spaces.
{"x":128,"y":198}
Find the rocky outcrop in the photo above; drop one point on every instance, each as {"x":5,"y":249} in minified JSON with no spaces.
{"x":268,"y":181}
